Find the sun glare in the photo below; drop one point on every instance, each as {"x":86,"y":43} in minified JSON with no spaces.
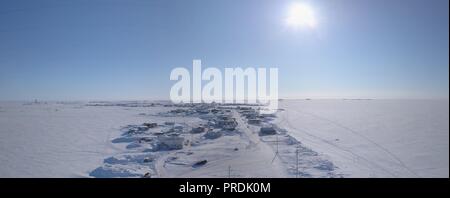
{"x":301,"y":15}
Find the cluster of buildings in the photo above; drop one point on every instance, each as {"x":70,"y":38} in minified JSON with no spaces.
{"x":220,"y":119}
{"x":255,"y":118}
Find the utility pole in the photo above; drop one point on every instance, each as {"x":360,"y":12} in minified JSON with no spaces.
{"x":229,"y":171}
{"x":296,"y":156}
{"x":276,"y":152}
{"x":277,"y":142}
{"x":192,"y":139}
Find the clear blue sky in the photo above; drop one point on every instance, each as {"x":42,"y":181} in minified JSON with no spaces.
{"x":125,"y":49}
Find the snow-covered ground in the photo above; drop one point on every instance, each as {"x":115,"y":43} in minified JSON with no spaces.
{"x":58,"y":140}
{"x":374,"y":138}
{"x":316,"y":138}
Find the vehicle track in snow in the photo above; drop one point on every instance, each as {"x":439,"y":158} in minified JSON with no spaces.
{"x":387,"y":151}
{"x":354,"y":155}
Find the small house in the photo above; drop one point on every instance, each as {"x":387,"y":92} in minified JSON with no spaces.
{"x":267,"y":131}
{"x":213,"y":134}
{"x":254,"y":121}
{"x":150,"y":125}
{"x":166,"y":142}
{"x":169,"y":123}
{"x":199,"y":129}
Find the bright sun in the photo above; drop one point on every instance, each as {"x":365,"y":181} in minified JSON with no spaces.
{"x":301,"y":15}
